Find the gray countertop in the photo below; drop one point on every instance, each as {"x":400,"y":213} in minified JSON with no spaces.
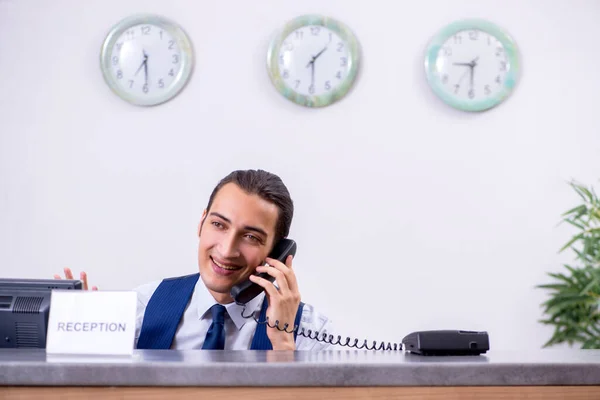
{"x":280,"y":368}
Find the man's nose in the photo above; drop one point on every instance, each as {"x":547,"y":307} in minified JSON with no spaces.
{"x":229,"y":247}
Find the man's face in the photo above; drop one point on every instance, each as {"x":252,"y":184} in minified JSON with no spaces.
{"x":236,"y":235}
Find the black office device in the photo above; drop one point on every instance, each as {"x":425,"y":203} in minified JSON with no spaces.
{"x":447,"y":343}
{"x":24,"y":310}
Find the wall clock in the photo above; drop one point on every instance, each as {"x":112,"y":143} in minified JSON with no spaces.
{"x":314,"y":60}
{"x":146,"y":59}
{"x":472,"y":65}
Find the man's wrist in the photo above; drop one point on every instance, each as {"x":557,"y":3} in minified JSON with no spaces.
{"x":284,"y":344}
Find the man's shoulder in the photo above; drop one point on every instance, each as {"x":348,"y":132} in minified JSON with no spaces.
{"x":146,"y":290}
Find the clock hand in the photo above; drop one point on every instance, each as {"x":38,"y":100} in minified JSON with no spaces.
{"x":143,"y":62}
{"x":145,"y":67}
{"x":146,"y":71}
{"x":319,"y":53}
{"x":462,"y":64}
{"x":462,"y":77}
{"x":311,"y":64}
{"x":141,"y":66}
{"x":471,"y":72}
{"x":472,"y":66}
{"x":313,"y":58}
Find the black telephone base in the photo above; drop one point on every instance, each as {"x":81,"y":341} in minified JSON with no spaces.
{"x":447,"y":343}
{"x":446,"y":353}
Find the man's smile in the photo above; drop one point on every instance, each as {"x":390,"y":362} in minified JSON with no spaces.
{"x":228,"y":267}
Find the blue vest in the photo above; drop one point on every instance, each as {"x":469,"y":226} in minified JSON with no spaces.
{"x":165,"y":310}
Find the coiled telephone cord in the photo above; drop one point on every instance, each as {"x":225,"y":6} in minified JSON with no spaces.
{"x":325,"y":338}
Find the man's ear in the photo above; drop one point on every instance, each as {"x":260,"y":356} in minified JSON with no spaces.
{"x":204,"y":213}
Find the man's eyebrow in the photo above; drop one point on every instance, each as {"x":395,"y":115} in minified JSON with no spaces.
{"x":220,"y":216}
{"x":248,"y":228}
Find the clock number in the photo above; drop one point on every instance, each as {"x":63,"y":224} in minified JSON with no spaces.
{"x":340,"y":46}
{"x":457,"y":39}
{"x":171,"y":44}
{"x":130,"y":34}
{"x":327,"y":85}
{"x":289,"y":46}
{"x":448,"y":51}
{"x":145,"y":30}
{"x":286,"y":74}
{"x":160,"y":33}
{"x":297,"y":83}
{"x":119,"y":74}
{"x":299,"y":35}
{"x":115,"y":60}
{"x":175,"y":58}
{"x":456,"y":88}
{"x":315,"y":30}
{"x":487,"y":90}
{"x":130,"y":83}
{"x":171,"y":73}
{"x":311,"y":89}
{"x":502,"y":65}
{"x":339,"y":75}
{"x":281,"y":59}
{"x":119,"y":45}
{"x":489,"y":39}
{"x":330,"y":36}
{"x":498,"y":81}
{"x":343,"y":61}
{"x":161,"y":84}
{"x":473,"y":35}
{"x":499,"y":51}
{"x":471,"y":93}
{"x":444,"y":79}
{"x":145,"y":88}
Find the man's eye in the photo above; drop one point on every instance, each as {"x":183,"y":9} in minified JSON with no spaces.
{"x":253,"y":238}
{"x":217,"y":224}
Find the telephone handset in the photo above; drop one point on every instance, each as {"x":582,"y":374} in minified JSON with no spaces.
{"x":243,"y":292}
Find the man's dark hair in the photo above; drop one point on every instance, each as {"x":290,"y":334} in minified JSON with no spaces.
{"x":268,"y":187}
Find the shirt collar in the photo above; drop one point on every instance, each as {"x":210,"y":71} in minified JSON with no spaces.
{"x":204,"y":301}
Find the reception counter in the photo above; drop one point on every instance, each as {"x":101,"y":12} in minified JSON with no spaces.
{"x":547,"y":374}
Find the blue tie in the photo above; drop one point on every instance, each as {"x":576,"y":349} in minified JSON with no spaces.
{"x":215,"y":337}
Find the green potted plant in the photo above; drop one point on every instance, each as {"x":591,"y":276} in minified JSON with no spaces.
{"x":573,"y":307}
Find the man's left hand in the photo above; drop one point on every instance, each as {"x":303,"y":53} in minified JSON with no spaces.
{"x":283,"y":301}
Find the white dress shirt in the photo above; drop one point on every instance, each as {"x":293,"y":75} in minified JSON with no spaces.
{"x":239,"y":331}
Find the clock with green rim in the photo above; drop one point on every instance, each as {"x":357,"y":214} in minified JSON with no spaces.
{"x":146,"y":59}
{"x":313,"y":60}
{"x":472,"y":65}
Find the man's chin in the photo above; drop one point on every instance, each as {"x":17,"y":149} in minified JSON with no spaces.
{"x":215,"y":284}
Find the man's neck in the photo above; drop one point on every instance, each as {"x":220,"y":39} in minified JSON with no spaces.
{"x":221,"y":298}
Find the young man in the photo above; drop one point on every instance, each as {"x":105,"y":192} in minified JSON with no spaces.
{"x":248,"y":212}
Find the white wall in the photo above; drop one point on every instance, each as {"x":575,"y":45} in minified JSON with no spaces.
{"x":442,"y":219}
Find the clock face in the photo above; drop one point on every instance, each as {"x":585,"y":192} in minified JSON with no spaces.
{"x":472,"y":68}
{"x":146,"y":60}
{"x":313,"y":61}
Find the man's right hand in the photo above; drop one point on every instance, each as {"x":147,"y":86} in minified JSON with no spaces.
{"x":82,"y":277}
